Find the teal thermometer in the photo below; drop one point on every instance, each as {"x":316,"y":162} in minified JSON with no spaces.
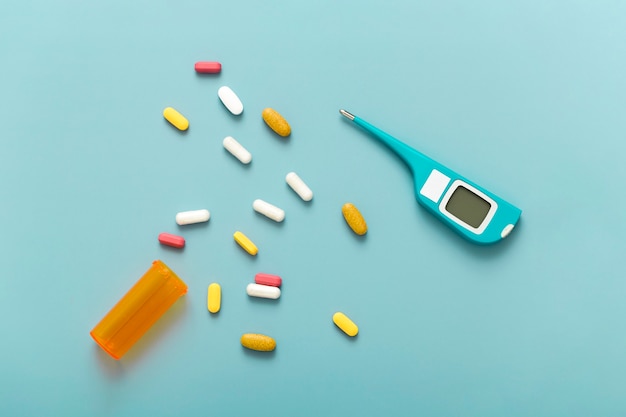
{"x":472,"y":211}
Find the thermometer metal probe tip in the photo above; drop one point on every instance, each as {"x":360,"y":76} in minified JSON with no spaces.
{"x":346,"y":114}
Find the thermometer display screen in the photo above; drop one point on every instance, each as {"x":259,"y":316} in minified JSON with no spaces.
{"x":468,"y":207}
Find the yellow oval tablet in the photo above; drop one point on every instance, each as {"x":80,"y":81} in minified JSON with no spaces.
{"x":214,"y":298}
{"x":276,"y":122}
{"x":175,"y":118}
{"x":345,"y":324}
{"x":258,"y":342}
{"x":245,"y":243}
{"x":354,"y":219}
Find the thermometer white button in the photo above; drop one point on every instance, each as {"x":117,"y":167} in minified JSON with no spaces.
{"x":435,"y":185}
{"x":506,"y":230}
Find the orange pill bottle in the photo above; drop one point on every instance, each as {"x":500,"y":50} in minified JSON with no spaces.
{"x":138,"y":310}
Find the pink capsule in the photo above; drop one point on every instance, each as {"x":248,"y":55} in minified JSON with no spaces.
{"x":208,"y":67}
{"x":267,"y":279}
{"x":172,"y":240}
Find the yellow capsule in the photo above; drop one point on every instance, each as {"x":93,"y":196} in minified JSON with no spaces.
{"x":345,"y":324}
{"x":276,"y":122}
{"x":354,"y":219}
{"x":214,"y":297}
{"x":175,"y":118}
{"x":258,"y":342}
{"x":245,"y":243}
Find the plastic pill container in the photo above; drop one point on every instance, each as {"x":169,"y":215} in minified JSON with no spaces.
{"x":138,"y":310}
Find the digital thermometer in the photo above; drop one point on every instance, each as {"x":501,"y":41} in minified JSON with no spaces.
{"x":472,"y":211}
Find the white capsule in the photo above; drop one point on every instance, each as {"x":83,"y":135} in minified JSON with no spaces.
{"x":296,"y":184}
{"x":230,"y":100}
{"x":237,"y":150}
{"x":191,"y":217}
{"x":268,"y":210}
{"x":263,"y":291}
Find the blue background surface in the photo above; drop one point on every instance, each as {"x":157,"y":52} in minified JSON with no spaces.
{"x":526,"y":98}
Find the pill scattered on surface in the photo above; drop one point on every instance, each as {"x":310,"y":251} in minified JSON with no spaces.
{"x":268,"y":279}
{"x":345,"y":324}
{"x":230,"y":100}
{"x":175,"y":118}
{"x":172,"y":240}
{"x":296,"y":184}
{"x":268,"y":210}
{"x":191,"y":217}
{"x":214,"y":297}
{"x":205,"y":67}
{"x":354,"y":219}
{"x":245,"y":243}
{"x":276,"y":122}
{"x":263,"y":291}
{"x":259,"y":342}
{"x":237,"y":150}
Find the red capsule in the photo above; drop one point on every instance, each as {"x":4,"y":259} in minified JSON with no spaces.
{"x":208,"y":67}
{"x":172,"y":240}
{"x":267,"y":279}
